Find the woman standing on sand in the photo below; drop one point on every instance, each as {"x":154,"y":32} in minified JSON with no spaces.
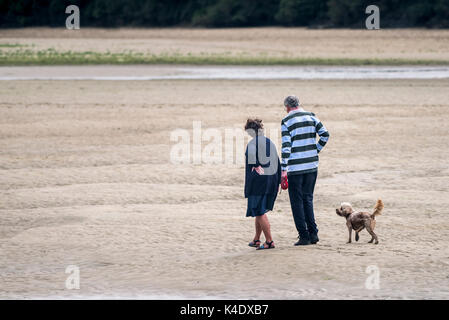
{"x":262,"y":179}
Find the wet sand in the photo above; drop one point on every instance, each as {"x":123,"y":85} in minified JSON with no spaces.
{"x":86,"y":179}
{"x":211,"y":72}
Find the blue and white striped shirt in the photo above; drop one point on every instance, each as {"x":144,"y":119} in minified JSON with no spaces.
{"x":299,"y":146}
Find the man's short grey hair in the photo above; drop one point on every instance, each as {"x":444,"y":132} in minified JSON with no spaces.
{"x":291,"y":102}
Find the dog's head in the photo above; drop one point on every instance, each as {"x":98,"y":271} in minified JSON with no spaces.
{"x":345,"y":209}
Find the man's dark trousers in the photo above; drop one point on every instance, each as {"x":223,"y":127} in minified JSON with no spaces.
{"x":300,"y":190}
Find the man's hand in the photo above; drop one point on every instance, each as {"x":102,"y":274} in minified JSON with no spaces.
{"x":260,"y":171}
{"x":284,"y":173}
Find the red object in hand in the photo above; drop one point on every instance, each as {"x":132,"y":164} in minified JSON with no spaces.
{"x":284,"y":183}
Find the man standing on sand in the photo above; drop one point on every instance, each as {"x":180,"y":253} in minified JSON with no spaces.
{"x":300,"y":164}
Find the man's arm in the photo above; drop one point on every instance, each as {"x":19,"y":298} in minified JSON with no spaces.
{"x":286,"y":147}
{"x":322,"y":132}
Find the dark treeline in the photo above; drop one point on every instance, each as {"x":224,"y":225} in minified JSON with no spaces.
{"x":225,"y":13}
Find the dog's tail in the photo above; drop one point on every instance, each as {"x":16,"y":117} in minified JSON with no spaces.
{"x":378,"y":208}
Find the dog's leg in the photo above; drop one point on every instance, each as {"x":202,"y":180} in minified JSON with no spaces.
{"x":357,"y":233}
{"x":373,"y":235}
{"x":350,"y":233}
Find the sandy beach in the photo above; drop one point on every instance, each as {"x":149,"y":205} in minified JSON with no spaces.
{"x":86,"y":179}
{"x":420,"y":44}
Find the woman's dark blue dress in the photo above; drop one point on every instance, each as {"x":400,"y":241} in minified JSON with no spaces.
{"x":261,"y":189}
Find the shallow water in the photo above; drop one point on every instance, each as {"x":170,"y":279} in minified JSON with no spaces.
{"x":155,"y":72}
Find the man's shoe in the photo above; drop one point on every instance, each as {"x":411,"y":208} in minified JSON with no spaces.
{"x":314,"y":239}
{"x":303,"y":242}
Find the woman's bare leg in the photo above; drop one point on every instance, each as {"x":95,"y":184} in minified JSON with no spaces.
{"x":258,"y":229}
{"x":265,"y":224}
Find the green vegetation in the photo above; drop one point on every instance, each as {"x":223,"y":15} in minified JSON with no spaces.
{"x":53,"y":57}
{"x":225,"y":13}
{"x":12,"y":45}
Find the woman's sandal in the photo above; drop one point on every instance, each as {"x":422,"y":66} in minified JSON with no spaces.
{"x":267,"y":245}
{"x":254,"y":243}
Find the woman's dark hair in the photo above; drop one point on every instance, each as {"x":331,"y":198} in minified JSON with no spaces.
{"x":254,"y":124}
